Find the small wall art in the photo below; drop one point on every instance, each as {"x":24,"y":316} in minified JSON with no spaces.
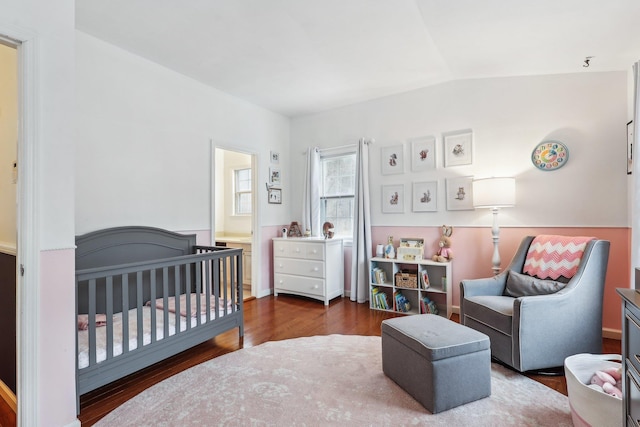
{"x":423,"y":154}
{"x":393,"y":198}
{"x":275,"y":177}
{"x":458,"y":148}
{"x":275,"y":196}
{"x":425,"y":196}
{"x":460,"y":193}
{"x":392,"y":159}
{"x":275,"y":157}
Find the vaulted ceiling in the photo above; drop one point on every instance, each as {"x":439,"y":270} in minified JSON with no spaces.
{"x":302,"y":56}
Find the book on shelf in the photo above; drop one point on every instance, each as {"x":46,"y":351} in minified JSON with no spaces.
{"x":379,"y":299}
{"x":402,"y":303}
{"x":378,"y":276}
{"x":428,"y":306}
{"x":424,"y":279}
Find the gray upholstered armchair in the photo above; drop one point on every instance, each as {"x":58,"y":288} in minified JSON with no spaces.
{"x":535,"y":324}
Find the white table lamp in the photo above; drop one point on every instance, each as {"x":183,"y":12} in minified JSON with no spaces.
{"x":494,"y":193}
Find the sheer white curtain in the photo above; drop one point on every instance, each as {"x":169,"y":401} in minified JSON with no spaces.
{"x":635,"y":222}
{"x":311,"y":196}
{"x":361,"y":251}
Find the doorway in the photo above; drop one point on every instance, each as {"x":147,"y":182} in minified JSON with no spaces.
{"x":234,"y":209}
{"x":8,"y":218}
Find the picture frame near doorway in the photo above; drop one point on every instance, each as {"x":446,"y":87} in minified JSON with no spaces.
{"x":275,"y":196}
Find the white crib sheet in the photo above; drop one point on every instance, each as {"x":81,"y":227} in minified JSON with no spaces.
{"x":101,"y":333}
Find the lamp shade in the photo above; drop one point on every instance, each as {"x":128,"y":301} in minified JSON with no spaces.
{"x":494,"y":192}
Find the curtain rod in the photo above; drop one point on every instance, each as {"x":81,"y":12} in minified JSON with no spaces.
{"x":322,"y":150}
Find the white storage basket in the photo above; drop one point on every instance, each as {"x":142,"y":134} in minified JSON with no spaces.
{"x":591,"y":407}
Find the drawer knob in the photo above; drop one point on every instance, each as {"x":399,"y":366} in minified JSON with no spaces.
{"x":298,"y":250}
{"x":315,"y":286}
{"x":281,"y":281}
{"x":316,"y":269}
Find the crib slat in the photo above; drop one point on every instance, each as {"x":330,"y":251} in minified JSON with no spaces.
{"x":207,"y":281}
{"x":198,"y":291}
{"x":187,"y":285}
{"x":109,"y":313}
{"x":92,"y":322}
{"x":125,"y":310}
{"x":139,"y":302}
{"x":176,"y":296}
{"x":152,"y":292}
{"x":165,"y":301}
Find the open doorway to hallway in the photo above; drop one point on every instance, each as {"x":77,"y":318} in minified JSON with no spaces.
{"x":8,"y":221}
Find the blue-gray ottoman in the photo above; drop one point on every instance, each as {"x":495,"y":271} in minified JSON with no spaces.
{"x":440,"y":363}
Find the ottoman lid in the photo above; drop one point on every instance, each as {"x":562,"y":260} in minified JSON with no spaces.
{"x":435,"y":337}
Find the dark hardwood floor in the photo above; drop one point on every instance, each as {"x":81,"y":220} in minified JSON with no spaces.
{"x":266,"y":319}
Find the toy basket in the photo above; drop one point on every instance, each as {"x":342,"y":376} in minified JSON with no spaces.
{"x":406,"y":280}
{"x":591,"y":407}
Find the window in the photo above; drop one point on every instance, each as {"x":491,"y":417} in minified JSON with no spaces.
{"x":337,"y":193}
{"x":242,"y":190}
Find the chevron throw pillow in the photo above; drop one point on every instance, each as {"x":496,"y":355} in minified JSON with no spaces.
{"x":551,"y":257}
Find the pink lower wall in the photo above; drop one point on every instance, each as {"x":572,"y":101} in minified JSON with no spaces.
{"x":57,"y":345}
{"x":473,"y":249}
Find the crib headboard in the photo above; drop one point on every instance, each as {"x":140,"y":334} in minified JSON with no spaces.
{"x":123,"y":245}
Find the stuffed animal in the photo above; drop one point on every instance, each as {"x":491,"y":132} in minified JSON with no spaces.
{"x":445,"y":253}
{"x":608,"y":380}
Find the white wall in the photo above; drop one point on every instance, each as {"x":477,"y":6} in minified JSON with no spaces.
{"x":509,"y":117}
{"x":143,"y":151}
{"x":8,"y":145}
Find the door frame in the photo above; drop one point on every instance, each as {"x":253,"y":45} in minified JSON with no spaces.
{"x":256,"y":252}
{"x":27,"y":216}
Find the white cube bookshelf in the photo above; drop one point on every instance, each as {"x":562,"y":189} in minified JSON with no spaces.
{"x":383,"y":281}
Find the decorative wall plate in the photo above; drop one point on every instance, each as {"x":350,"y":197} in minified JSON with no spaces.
{"x":550,"y":155}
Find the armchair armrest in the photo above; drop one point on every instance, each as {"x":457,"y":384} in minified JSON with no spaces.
{"x":486,"y":286}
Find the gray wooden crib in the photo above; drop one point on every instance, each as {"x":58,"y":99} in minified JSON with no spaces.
{"x":144,"y":294}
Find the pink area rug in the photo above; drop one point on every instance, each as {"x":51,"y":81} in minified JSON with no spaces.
{"x":324,"y":380}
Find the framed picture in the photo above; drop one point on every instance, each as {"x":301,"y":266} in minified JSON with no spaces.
{"x":425,"y":196}
{"x":630,"y":147}
{"x":458,"y":148}
{"x":275,"y":196}
{"x":460,"y":193}
{"x":393,"y":198}
{"x":275,"y":157}
{"x":392,"y":159}
{"x":274,"y":176}
{"x":423,"y":154}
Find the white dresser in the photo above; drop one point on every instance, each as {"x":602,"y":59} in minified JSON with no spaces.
{"x":311,"y":267}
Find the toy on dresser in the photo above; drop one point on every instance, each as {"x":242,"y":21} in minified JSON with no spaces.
{"x":444,"y":254}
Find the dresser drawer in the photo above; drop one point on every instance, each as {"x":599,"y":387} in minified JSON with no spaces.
{"x":300,"y":267}
{"x":632,"y":350}
{"x":299,"y":285}
{"x":298,"y":249}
